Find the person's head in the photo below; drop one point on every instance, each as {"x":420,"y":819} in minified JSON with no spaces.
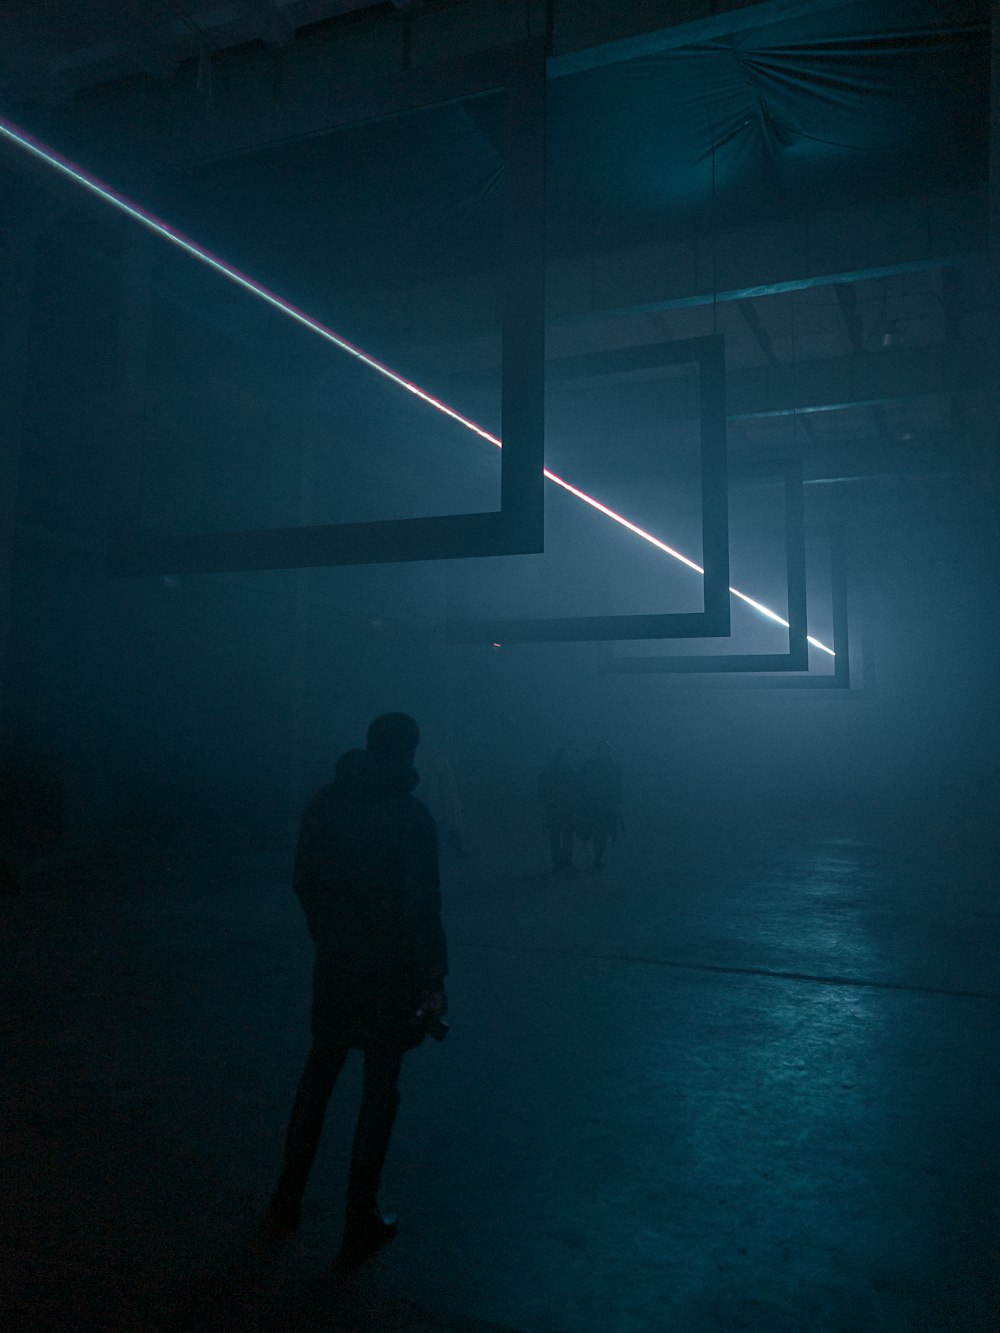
{"x":393,"y":736}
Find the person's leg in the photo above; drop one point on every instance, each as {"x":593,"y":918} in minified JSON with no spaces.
{"x":304,"y":1128}
{"x":376,"y":1117}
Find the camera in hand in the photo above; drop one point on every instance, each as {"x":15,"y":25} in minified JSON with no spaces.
{"x":430,"y":1025}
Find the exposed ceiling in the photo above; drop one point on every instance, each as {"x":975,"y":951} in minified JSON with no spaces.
{"x":51,"y":49}
{"x":864,"y":123}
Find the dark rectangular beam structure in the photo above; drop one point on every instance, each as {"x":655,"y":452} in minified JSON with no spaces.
{"x":714,"y":620}
{"x":839,"y":679}
{"x":518,"y":526}
{"x":797,"y":656}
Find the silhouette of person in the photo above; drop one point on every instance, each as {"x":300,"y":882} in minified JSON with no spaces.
{"x":599,"y":788}
{"x":557,"y":791}
{"x":366,"y":873}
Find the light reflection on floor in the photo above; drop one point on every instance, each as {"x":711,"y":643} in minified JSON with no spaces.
{"x":750,"y":1086}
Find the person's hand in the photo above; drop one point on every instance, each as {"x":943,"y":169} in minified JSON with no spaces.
{"x":435,"y":1002}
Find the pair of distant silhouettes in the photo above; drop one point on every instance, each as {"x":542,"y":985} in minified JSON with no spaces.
{"x":581,"y":802}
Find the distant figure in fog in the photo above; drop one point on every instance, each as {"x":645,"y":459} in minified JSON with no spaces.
{"x":599,"y":788}
{"x":366,"y":873}
{"x":557,"y":792}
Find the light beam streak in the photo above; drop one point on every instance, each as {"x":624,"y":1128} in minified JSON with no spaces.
{"x":685,"y":560}
{"x":111,"y":196}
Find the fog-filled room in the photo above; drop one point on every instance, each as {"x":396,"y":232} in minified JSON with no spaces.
{"x":499,"y":707}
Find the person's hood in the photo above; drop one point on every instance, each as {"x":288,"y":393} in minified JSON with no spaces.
{"x":366,"y":777}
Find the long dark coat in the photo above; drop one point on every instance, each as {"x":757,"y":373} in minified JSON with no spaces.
{"x":366,"y":873}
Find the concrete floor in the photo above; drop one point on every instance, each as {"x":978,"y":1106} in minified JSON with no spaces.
{"x":747,"y":1084}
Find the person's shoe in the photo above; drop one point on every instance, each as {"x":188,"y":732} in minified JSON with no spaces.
{"x":364,"y":1236}
{"x":281,"y":1221}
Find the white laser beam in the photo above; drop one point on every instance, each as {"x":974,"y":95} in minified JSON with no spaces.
{"x":111,"y":196}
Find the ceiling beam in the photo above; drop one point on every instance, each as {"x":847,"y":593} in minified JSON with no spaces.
{"x":764,"y":288}
{"x":579,"y":409}
{"x":760,"y":335}
{"x":826,"y":465}
{"x":451,"y":319}
{"x":840,"y":246}
{"x":863,"y":379}
{"x":590,"y":42}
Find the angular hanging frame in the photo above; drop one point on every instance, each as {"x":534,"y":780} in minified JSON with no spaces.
{"x":517,"y":527}
{"x":797,"y":656}
{"x":712,"y":622}
{"x":840,"y":678}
